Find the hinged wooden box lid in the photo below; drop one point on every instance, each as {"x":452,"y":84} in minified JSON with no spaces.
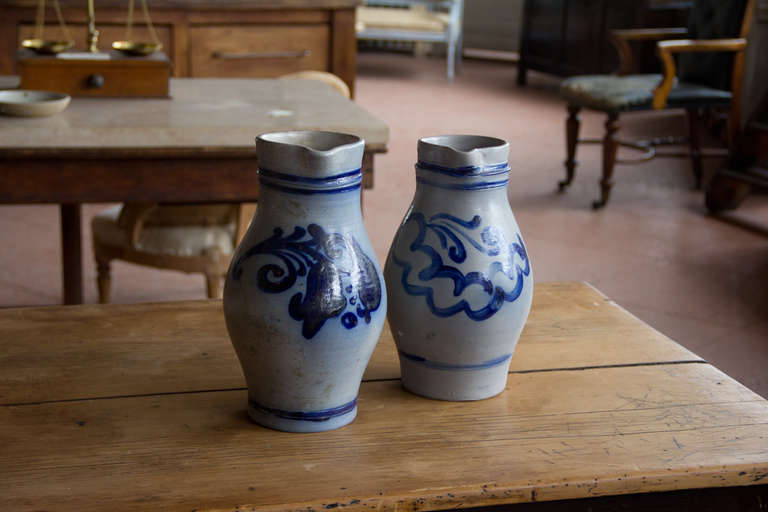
{"x":115,"y":76}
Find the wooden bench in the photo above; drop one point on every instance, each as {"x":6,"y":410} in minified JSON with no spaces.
{"x":433,"y":21}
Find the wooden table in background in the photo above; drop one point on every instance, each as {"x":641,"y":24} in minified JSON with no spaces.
{"x":142,"y":407}
{"x":196,"y":147}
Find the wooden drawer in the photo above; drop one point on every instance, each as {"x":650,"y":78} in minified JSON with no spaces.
{"x":107,"y":34}
{"x":257,"y":50}
{"x":119,"y":77}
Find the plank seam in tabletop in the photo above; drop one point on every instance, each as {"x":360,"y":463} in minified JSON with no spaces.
{"x":371,"y":380}
{"x":619,"y":365}
{"x":119,"y":397}
{"x":572,"y":328}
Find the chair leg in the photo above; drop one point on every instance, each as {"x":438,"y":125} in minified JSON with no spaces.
{"x":104,"y":281}
{"x":694,"y":123}
{"x":451,"y":57}
{"x":213,"y":286}
{"x":572,"y":125}
{"x":610,"y":146}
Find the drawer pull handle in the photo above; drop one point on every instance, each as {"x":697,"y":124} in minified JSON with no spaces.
{"x":262,"y":55}
{"x":95,"y":81}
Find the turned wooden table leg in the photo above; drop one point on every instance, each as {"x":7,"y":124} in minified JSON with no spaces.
{"x":610,"y":146}
{"x":71,"y":253}
{"x":367,"y":170}
{"x":572,"y":125}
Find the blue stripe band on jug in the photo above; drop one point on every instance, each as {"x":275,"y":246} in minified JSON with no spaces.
{"x":470,"y":170}
{"x":337,"y":179}
{"x":321,"y":415}
{"x":437,"y":365}
{"x":481,"y":185}
{"x":309,"y":191}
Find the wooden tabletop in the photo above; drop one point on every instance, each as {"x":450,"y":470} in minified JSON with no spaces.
{"x":142,"y":407}
{"x":211,"y":116}
{"x":206,"y":5}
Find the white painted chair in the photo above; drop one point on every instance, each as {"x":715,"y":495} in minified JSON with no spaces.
{"x":432,"y":21}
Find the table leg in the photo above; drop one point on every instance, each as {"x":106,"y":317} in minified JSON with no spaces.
{"x":71,"y":253}
{"x":367,"y":170}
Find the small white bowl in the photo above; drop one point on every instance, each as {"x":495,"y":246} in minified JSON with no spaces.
{"x":32,"y":103}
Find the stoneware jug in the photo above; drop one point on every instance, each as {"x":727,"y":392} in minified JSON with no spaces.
{"x":458,"y":275}
{"x":304,"y":297}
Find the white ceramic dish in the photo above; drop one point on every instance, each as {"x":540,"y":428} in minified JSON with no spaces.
{"x":32,"y":103}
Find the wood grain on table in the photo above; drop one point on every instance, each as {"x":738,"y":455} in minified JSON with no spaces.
{"x":141,"y":407}
{"x":180,"y":347}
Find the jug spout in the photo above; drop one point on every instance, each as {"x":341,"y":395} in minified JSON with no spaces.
{"x":462,"y":151}
{"x":311,"y":154}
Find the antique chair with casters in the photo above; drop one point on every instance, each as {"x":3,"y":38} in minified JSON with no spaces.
{"x":192,"y":238}
{"x":707,"y":76}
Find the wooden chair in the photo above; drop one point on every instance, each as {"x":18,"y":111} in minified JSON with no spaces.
{"x":193,"y":238}
{"x":431,"y":21}
{"x":322,"y":76}
{"x":707,"y":75}
{"x":189,"y":238}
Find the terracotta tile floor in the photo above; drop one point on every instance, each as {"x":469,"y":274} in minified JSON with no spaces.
{"x":700,"y":280}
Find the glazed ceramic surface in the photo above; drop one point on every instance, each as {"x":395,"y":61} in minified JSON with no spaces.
{"x":304,"y":297}
{"x":458,"y":275}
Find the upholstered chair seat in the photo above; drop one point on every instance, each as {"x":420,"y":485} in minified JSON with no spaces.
{"x":189,"y":238}
{"x":175,"y":240}
{"x":628,"y":93}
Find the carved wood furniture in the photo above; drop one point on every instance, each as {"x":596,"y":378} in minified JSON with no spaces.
{"x":188,"y":238}
{"x":225,"y":38}
{"x":707,"y":77}
{"x":137,"y":407}
{"x":196,"y":147}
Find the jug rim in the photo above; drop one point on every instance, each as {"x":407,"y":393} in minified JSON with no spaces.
{"x":310,"y":154}
{"x":316,"y":141}
{"x":467,"y":154}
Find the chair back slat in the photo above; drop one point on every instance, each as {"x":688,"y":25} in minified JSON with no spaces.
{"x":711,"y":19}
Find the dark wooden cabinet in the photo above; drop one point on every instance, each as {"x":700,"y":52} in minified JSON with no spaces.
{"x":570,"y":37}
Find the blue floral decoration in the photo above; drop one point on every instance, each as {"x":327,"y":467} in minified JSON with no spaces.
{"x":456,"y":237}
{"x":339,"y":276}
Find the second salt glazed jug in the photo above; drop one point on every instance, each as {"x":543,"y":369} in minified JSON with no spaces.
{"x":458,"y":276}
{"x":304,"y":298}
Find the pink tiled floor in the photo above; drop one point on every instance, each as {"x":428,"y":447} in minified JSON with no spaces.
{"x":654,"y":249}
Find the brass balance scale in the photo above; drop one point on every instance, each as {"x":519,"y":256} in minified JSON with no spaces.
{"x":135,"y":68}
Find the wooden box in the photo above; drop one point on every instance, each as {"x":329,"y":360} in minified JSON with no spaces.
{"x":119,"y":76}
